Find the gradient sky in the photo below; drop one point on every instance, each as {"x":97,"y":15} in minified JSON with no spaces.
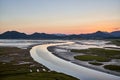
{"x":59,"y":16}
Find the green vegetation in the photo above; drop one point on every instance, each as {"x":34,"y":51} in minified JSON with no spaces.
{"x":80,"y":51}
{"x":99,"y":55}
{"x":91,"y":58}
{"x":8,"y":50}
{"x":99,"y":52}
{"x":116,"y":42}
{"x":13,"y":70}
{"x":112,"y":67}
{"x":18,"y":72}
{"x":39,"y":76}
{"x":95,"y":63}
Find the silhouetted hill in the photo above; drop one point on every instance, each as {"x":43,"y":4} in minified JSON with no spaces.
{"x":96,"y":35}
{"x":115,"y":33}
{"x":18,"y":35}
{"x":43,"y":36}
{"x":13,"y":35}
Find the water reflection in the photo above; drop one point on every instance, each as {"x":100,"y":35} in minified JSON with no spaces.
{"x":43,"y":56}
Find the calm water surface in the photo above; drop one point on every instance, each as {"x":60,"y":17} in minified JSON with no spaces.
{"x":42,"y":55}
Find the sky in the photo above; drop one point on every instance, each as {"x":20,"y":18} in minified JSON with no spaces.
{"x":59,"y":16}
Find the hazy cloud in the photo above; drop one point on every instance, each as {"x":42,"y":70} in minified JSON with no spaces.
{"x":116,"y":28}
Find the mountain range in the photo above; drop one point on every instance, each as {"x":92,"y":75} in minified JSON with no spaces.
{"x":95,"y":35}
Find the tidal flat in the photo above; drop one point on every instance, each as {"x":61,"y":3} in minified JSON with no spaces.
{"x":94,"y":54}
{"x":16,"y":64}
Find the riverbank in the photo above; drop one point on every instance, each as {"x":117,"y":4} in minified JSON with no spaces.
{"x":17,"y":64}
{"x":42,"y":55}
{"x":69,"y":56}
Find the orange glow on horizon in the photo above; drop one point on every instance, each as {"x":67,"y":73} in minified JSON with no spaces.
{"x":59,"y":16}
{"x":78,"y":28}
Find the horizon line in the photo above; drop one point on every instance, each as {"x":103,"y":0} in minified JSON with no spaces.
{"x":57,"y":33}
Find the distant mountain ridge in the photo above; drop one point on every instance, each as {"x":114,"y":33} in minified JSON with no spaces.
{"x":96,"y":35}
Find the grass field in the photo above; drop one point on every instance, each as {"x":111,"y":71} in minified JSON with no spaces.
{"x":12,"y":69}
{"x":99,"y":55}
{"x":116,"y":42}
{"x":91,"y":58}
{"x":112,"y":67}
{"x":95,"y":63}
{"x":38,"y":76}
{"x":100,"y":52}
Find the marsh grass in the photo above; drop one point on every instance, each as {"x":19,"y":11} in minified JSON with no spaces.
{"x":116,"y":42}
{"x":96,"y":63}
{"x":91,"y":58}
{"x":99,"y":52}
{"x":14,"y":71}
{"x":112,"y":67}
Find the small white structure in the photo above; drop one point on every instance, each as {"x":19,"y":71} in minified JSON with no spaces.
{"x":38,"y":70}
{"x":43,"y":69}
{"x":32,"y":65}
{"x":30,"y":70}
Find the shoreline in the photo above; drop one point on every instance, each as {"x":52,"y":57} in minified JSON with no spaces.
{"x":51,"y":49}
{"x":22,"y":66}
{"x":42,"y":55}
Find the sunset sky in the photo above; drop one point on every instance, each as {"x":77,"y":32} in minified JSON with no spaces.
{"x":59,"y":16}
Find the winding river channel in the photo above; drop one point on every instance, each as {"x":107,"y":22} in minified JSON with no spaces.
{"x":41,"y":54}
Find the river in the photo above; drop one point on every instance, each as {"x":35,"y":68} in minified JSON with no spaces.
{"x":41,"y":54}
